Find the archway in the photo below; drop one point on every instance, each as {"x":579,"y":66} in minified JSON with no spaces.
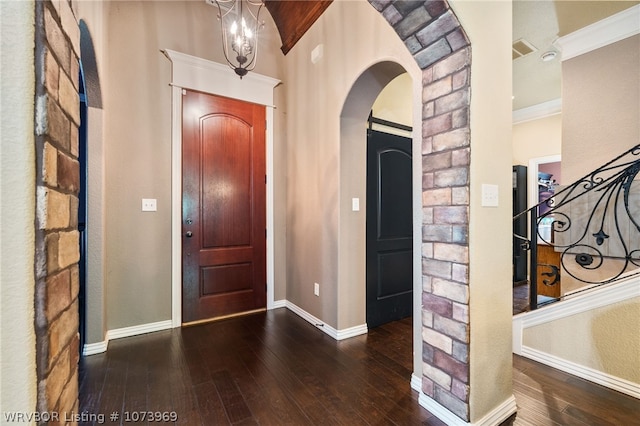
{"x":93,"y":326}
{"x":353,"y":150}
{"x":434,"y":36}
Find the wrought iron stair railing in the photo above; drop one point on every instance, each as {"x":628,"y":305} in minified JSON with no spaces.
{"x":593,"y":228}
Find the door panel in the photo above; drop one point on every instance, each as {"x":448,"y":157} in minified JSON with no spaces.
{"x":224,"y":212}
{"x":227,"y":193}
{"x":389,"y":228}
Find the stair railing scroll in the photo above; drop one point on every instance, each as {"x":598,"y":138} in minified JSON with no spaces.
{"x":594,"y":224}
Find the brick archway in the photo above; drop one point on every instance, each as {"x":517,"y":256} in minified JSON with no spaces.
{"x":435,"y":38}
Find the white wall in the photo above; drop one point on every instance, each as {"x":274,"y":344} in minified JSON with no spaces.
{"x":17,"y":208}
{"x":537,"y":138}
{"x":488,"y":26}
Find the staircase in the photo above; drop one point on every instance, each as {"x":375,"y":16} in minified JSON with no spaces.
{"x":584,"y":290}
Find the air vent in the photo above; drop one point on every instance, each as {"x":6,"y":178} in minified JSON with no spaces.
{"x":521,"y":48}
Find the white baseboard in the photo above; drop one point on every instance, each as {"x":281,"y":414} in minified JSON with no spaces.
{"x":94,"y":348}
{"x":336,"y":334}
{"x":136,"y":330}
{"x":279,"y":304}
{"x":494,"y":417}
{"x":597,"y":298}
{"x":499,"y":414}
{"x":118,"y":333}
{"x":416,"y":383}
{"x":587,"y":373}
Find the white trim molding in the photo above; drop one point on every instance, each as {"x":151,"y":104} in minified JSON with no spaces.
{"x":596,"y":298}
{"x":492,"y":418}
{"x":95,"y":348}
{"x":535,"y":112}
{"x":416,"y":382}
{"x":318,"y":323}
{"x":602,"y":33}
{"x":572,"y":305}
{"x":190,"y":72}
{"x":119,"y":333}
{"x":587,"y":373}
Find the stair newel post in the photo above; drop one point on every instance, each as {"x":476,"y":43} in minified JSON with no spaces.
{"x":533,"y":260}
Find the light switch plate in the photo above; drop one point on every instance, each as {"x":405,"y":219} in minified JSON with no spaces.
{"x":149,"y":205}
{"x":489,"y":195}
{"x":355,"y":204}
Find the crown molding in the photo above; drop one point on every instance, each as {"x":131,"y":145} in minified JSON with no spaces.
{"x":602,"y":33}
{"x":538,"y":111}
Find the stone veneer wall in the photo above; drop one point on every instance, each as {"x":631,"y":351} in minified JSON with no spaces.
{"x":433,"y":34}
{"x":57,"y":117}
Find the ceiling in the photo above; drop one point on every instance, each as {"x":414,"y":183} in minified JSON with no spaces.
{"x":294,"y":17}
{"x":539,"y":22}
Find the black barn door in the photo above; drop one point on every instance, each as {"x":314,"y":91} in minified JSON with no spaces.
{"x":389,"y":228}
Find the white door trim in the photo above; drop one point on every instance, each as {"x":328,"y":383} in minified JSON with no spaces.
{"x":532,"y":176}
{"x":190,"y":72}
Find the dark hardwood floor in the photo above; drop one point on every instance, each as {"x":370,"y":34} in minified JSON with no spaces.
{"x":275,"y":368}
{"x":520,"y":298}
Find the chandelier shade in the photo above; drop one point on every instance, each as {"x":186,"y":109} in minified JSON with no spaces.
{"x":240,"y":25}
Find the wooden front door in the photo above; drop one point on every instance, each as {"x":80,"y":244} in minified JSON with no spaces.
{"x":223,"y":207}
{"x":389,"y":228}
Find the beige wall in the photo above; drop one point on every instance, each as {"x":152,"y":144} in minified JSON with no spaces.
{"x":600,"y":120}
{"x":17,"y":209}
{"x":394,"y":103}
{"x":137,"y":164}
{"x":488,"y":25}
{"x":537,"y":138}
{"x":135,"y":76}
{"x":601,"y":106}
{"x":319,"y":194}
{"x":325,"y":241}
{"x":95,"y":295}
{"x":604,"y":339}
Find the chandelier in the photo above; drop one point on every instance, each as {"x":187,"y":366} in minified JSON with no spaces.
{"x":240,"y":24}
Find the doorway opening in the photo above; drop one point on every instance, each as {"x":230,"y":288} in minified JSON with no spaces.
{"x":223,"y":207}
{"x":387,"y":91}
{"x":82,"y":213}
{"x":389,"y":236}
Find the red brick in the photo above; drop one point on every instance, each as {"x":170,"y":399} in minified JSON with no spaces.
{"x":451,"y":214}
{"x":51,"y":242}
{"x":52,"y":72}
{"x":456,"y":100}
{"x":57,"y":379}
{"x":61,"y":333}
{"x":57,"y":124}
{"x":68,"y":173}
{"x":437,"y":89}
{"x":437,"y":161}
{"x":57,"y":41}
{"x":58,"y":294}
{"x":436,"y":304}
{"x":435,"y":125}
{"x":453,"y":367}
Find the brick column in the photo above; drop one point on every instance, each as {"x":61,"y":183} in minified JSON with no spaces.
{"x":432,"y":33}
{"x":58,"y":181}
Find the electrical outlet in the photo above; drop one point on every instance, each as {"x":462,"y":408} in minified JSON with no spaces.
{"x":149,"y":205}
{"x":316,"y":289}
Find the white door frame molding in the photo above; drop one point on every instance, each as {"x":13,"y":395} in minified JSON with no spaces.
{"x":190,"y":72}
